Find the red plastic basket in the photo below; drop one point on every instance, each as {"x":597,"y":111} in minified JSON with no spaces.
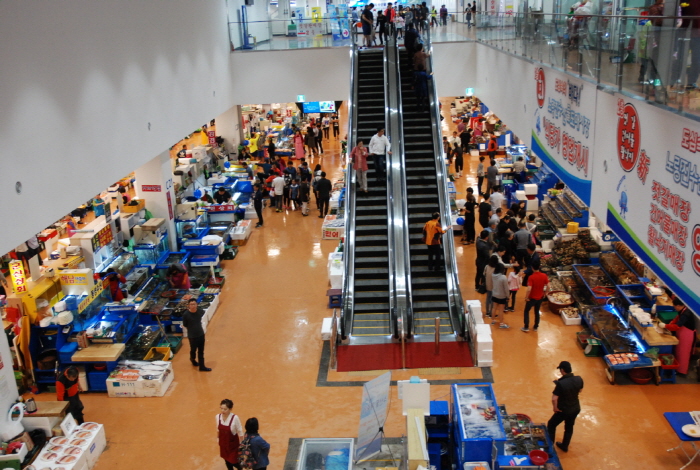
{"x":673,"y":365}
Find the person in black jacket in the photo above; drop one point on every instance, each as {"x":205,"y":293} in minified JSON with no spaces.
{"x":483,"y":253}
{"x":192,"y":320}
{"x":323,"y":188}
{"x":258,"y":197}
{"x":68,"y":389}
{"x":565,"y":404}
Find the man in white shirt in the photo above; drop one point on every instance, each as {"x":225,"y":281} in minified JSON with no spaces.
{"x":379,"y":147}
{"x":278,"y":188}
{"x":497,"y":198}
{"x":453,"y":139}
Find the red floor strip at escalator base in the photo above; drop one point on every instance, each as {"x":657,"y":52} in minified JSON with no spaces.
{"x":388,"y":356}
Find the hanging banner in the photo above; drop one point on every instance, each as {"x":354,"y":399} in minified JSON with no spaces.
{"x":375,"y":399}
{"x":563,"y":135}
{"x":647,"y":188}
{"x":18,"y":276}
{"x":316,"y":15}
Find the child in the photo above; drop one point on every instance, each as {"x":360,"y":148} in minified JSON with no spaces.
{"x":304,"y":192}
{"x":294,"y":195}
{"x":514,"y":283}
{"x":285,"y":194}
{"x":400,"y":22}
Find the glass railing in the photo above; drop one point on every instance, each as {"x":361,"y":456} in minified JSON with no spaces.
{"x":646,"y":57}
{"x":285,"y":34}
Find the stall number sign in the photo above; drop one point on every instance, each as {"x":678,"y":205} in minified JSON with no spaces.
{"x":74,"y":279}
{"x":102,"y":238}
{"x":221,"y":208}
{"x":19,"y":279}
{"x":94,"y":293}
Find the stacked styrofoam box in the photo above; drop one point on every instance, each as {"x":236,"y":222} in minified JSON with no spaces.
{"x":326,"y":328}
{"x":520,"y":195}
{"x":530,"y":189}
{"x":78,"y":451}
{"x":481,"y":335}
{"x":474,"y":307}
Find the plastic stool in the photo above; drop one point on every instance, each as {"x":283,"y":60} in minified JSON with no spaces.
{"x":668,"y":375}
{"x":335,"y":298}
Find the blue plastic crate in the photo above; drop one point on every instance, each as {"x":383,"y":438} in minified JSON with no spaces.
{"x":66,"y":352}
{"x":97,"y":381}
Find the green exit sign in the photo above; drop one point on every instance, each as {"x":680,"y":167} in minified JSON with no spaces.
{"x":301,"y":98}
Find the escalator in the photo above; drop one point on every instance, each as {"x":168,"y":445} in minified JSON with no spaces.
{"x":430,"y":289}
{"x":370,"y":278}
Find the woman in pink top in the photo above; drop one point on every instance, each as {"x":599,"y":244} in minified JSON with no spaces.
{"x":359,"y":160}
{"x":298,"y":146}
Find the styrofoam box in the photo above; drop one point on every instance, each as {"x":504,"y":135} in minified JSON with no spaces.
{"x":326,"y":329}
{"x":485,"y":355}
{"x":483,"y":330}
{"x":473,"y":465}
{"x":485,"y":363}
{"x":484,"y":347}
{"x":530,"y":189}
{"x":157,"y":388}
{"x":484,"y":341}
{"x":570,"y":321}
{"x":479,"y":319}
{"x":520,"y":195}
{"x":23,"y":451}
{"x":122,"y":389}
{"x":532,"y":204}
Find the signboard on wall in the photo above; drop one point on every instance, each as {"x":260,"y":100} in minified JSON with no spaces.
{"x":18,"y":276}
{"x":563,"y":132}
{"x":102,"y":238}
{"x":647,"y":188}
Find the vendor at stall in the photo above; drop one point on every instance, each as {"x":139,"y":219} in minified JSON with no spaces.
{"x":114,"y":279}
{"x":683,"y":327}
{"x":222,"y":196}
{"x":177,"y":277}
{"x":519,"y":169}
{"x":206,"y":197}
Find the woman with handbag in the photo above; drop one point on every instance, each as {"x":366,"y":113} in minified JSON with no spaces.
{"x":229,"y":431}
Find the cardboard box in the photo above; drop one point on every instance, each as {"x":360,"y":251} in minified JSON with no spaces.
{"x":132,"y":209}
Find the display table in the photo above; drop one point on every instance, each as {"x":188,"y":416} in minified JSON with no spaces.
{"x":99,"y":353}
{"x":677,"y":421}
{"x":48,"y":414}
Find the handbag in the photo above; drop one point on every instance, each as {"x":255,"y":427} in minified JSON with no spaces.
{"x":272,"y":193}
{"x":481,"y":289}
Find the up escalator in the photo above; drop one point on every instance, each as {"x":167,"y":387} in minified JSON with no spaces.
{"x":371,"y":316}
{"x":429,"y":288}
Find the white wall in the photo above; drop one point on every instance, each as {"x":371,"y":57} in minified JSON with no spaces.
{"x":228,"y":126}
{"x":81,"y":82}
{"x":454,"y":68}
{"x":258,"y":19}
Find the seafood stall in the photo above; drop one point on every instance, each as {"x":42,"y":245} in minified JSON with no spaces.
{"x":483,"y":431}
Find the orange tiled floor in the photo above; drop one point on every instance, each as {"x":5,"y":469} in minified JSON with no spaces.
{"x":264,"y":346}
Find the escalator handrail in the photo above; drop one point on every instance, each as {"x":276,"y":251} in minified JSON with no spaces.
{"x":400,"y":158}
{"x":456,"y":302}
{"x":393,"y":310}
{"x":399,"y":222}
{"x":348,"y":310}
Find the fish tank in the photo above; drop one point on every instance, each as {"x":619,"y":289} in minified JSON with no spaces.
{"x":149,"y":253}
{"x":478,"y":424}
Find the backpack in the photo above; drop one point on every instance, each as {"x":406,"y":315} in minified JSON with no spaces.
{"x":245,"y":454}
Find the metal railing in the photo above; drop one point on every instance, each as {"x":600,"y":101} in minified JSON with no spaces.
{"x":398,"y":201}
{"x":348,"y":310}
{"x":456,"y":303}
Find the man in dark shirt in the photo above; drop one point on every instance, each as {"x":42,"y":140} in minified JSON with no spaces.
{"x":323,"y":187}
{"x":68,"y":389}
{"x":192,"y":320}
{"x":565,"y":404}
{"x":483,"y":253}
{"x":222,"y":196}
{"x":534,"y":258}
{"x":485,"y":212}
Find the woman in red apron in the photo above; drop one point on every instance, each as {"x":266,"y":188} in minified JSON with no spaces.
{"x":683,"y":326}
{"x":229,"y":430}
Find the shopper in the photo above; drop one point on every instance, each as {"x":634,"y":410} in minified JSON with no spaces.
{"x":410,"y":41}
{"x":261,"y":146}
{"x":294,"y":202}
{"x":499,"y":296}
{"x":523,"y":238}
{"x":443,"y":15}
{"x":420,"y":58}
{"x":421,"y":78}
{"x":379,"y":146}
{"x":177,"y":276}
{"x":278,"y":185}
{"x":229,"y":433}
{"x":192,"y":320}
{"x":335,"y":122}
{"x":68,"y":389}
{"x":497,"y":198}
{"x":326,"y":125}
{"x":298,"y":146}
{"x":390,"y":15}
{"x":459,"y":159}
{"x":514,"y":283}
{"x":485,"y":212}
{"x":491,"y":177}
{"x":534,"y":258}
{"x":490,"y":268}
{"x":480,"y":175}
{"x":537,"y":284}
{"x":359,"y":162}
{"x":310,"y":142}
{"x":318,"y":135}
{"x":367,"y":20}
{"x":483,"y":254}
{"x":221,"y":196}
{"x":323,"y":188}
{"x":304,"y":197}
{"x":381,"y":28}
{"x":126,"y":198}
{"x":304,"y":172}
{"x":258,"y":196}
{"x":565,"y":404}
{"x":183,"y":152}
{"x":432,"y":237}
{"x":254,"y":450}
{"x":683,"y":327}
{"x":468,"y":13}
{"x":519,"y":170}
{"x":469,"y":220}
{"x":400,"y":24}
